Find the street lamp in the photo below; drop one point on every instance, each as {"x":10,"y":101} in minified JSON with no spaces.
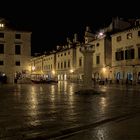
{"x":33,"y":68}
{"x":53,"y":72}
{"x":104,"y":69}
{"x":71,"y":71}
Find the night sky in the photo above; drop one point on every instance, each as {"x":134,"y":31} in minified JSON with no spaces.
{"x":52,"y":23}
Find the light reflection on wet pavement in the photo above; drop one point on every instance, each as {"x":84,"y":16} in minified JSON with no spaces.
{"x":55,"y":111}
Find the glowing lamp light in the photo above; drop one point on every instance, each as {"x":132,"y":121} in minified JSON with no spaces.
{"x":71,"y":71}
{"x":3,"y":74}
{"x":53,"y":72}
{"x":104,"y":69}
{"x":101,"y":34}
{"x":33,"y":68}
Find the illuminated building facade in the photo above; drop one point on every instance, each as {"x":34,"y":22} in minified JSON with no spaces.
{"x":126,"y":55}
{"x":68,"y":61}
{"x":15,"y":52}
{"x":116,"y":56}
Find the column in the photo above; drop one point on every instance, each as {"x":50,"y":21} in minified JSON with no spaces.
{"x":87,"y":51}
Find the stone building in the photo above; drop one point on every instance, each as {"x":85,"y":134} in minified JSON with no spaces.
{"x":126,"y":55}
{"x":15,"y":52}
{"x":115,"y":58}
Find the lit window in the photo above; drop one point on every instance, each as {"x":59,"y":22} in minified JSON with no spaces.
{"x":129,"y":35}
{"x":1,"y":25}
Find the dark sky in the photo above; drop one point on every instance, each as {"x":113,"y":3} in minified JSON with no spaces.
{"x":51,"y":23}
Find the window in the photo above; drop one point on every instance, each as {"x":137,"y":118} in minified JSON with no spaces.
{"x":58,"y":65}
{"x":18,"y":36}
{"x":137,"y":23}
{"x":80,"y":62}
{"x":1,"y":62}
{"x":1,"y":48}
{"x":1,"y":35}
{"x":61,"y":65}
{"x":138,"y":33}
{"x":139,"y":53}
{"x":129,"y":54}
{"x":65,"y":64}
{"x":129,"y":35}
{"x":17,"y":63}
{"x":17,"y":49}
{"x":119,"y":55}
{"x":119,"y":38}
{"x":98,"y":59}
{"x":68,"y":63}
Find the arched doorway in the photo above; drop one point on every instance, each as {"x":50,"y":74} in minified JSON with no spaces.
{"x":129,"y":78}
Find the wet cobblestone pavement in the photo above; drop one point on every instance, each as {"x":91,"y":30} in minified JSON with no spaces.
{"x":43,"y":111}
